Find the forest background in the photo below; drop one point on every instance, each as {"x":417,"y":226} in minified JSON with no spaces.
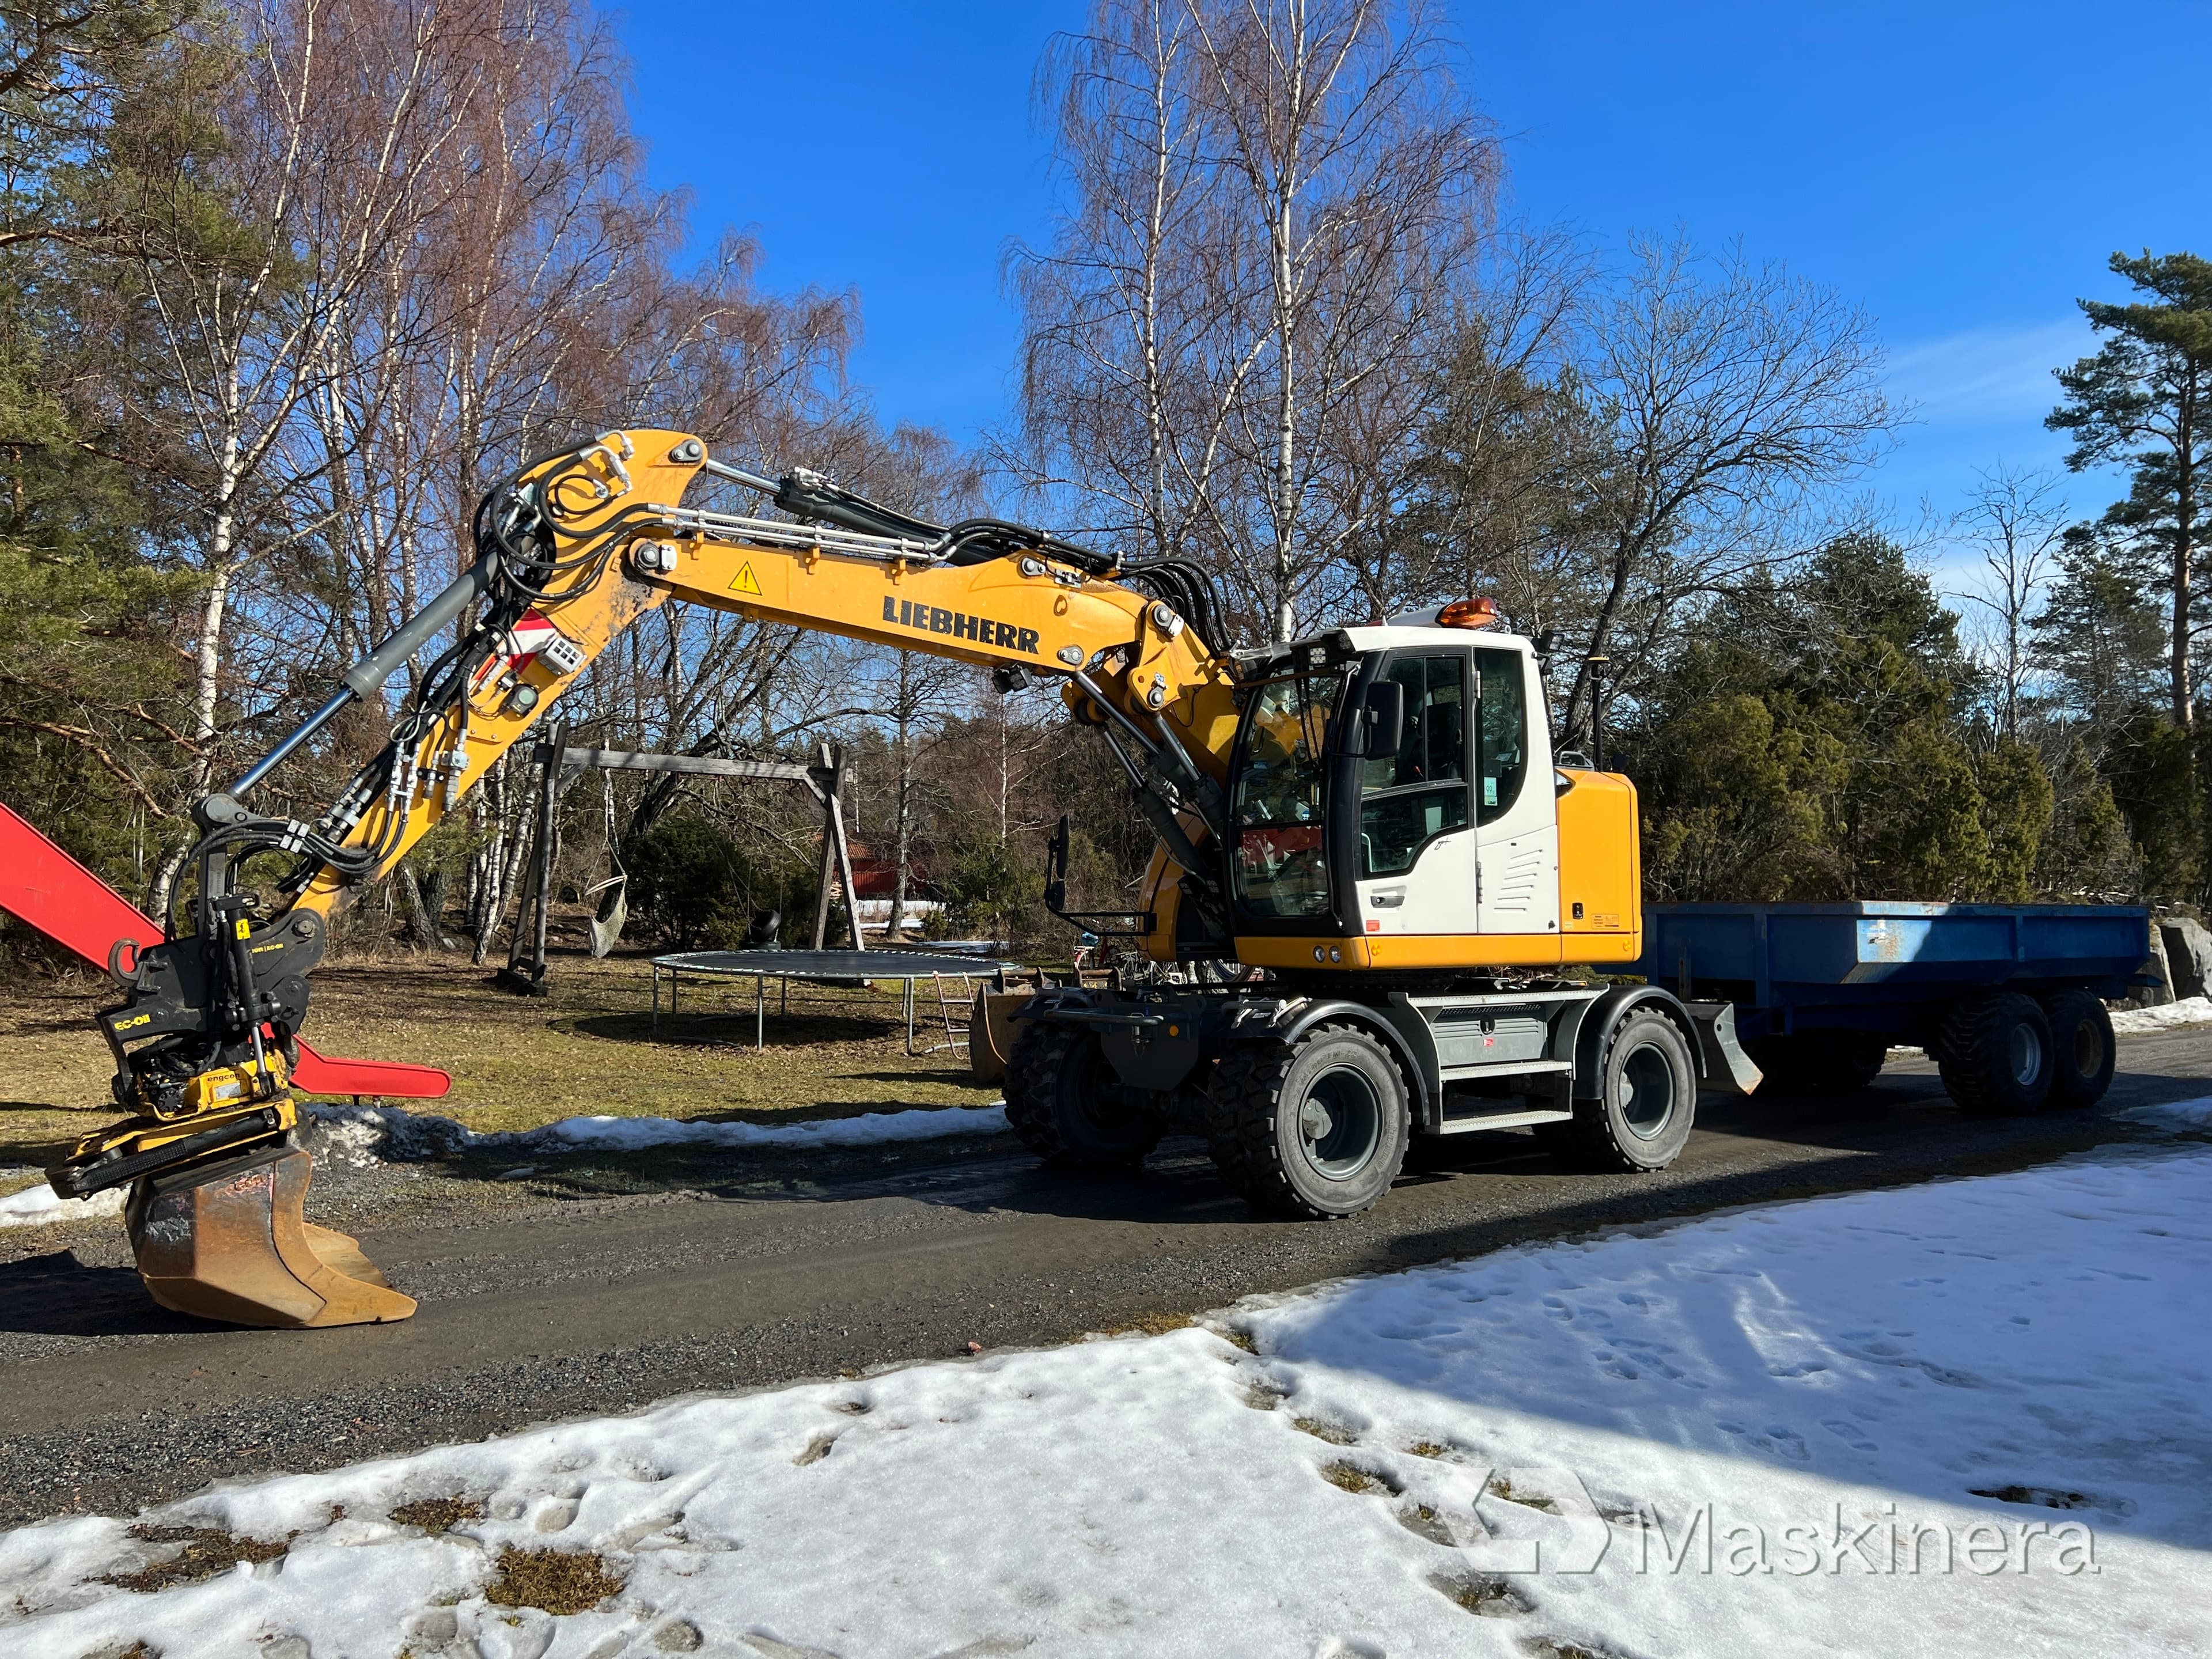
{"x":286,"y":284}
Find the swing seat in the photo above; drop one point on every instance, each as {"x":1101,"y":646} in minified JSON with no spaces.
{"x":613,"y":911}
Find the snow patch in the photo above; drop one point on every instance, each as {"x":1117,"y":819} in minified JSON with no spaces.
{"x":362,"y":1132}
{"x":40,"y":1206}
{"x":2181,"y":1114}
{"x":2190,"y":1010}
{"x":1986,"y":1366}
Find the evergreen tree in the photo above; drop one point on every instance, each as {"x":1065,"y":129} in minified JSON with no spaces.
{"x":2145,"y":401}
{"x":1810,"y":741}
{"x":92,"y":687}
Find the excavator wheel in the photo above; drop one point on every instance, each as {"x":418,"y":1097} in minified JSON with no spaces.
{"x":226,"y":1239}
{"x":1064,"y":1103}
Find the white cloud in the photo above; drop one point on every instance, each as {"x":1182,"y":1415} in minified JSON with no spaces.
{"x":1992,"y":376}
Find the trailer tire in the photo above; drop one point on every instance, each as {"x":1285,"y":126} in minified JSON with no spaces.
{"x":2081,"y":1047}
{"x":1315,"y":1128}
{"x":1057,"y":1106}
{"x":1647,"y":1099}
{"x":1995,"y":1055}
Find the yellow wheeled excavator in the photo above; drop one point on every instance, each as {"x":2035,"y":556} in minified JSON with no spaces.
{"x":1372,"y":869}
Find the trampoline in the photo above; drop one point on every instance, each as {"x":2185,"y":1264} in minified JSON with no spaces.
{"x":836,"y":967}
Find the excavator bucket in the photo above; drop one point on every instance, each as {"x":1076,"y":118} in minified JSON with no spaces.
{"x":225,"y":1241}
{"x":228,"y":1241}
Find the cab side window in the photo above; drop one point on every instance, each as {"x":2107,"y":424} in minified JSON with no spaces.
{"x":1502,"y":735}
{"x":1409,"y":798}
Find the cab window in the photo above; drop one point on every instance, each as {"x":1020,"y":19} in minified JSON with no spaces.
{"x":1282,"y":862}
{"x":1409,"y":798}
{"x":1502,"y":747}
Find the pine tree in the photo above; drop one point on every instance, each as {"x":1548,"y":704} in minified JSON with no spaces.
{"x":2145,"y":401}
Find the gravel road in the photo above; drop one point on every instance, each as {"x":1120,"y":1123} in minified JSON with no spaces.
{"x":733,"y":1272}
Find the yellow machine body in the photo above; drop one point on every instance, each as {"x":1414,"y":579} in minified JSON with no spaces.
{"x":224,"y":1234}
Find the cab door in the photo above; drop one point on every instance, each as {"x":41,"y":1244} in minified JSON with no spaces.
{"x":1416,"y":850}
{"x":1516,"y":829}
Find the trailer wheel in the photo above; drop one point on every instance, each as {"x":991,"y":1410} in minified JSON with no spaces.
{"x":2081,"y":1046}
{"x":1315,"y":1128}
{"x":1995,"y":1055}
{"x":1647,"y":1099}
{"x":1067,"y":1105}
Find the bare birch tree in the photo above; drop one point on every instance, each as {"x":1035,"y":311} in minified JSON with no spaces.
{"x":1271,"y":204}
{"x":2017,"y":518}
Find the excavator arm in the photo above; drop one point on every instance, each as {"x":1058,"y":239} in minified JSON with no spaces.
{"x":582,"y":545}
{"x":571,"y":551}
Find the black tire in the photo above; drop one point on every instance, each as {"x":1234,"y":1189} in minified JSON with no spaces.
{"x":1315,"y":1128}
{"x":1817,"y":1062}
{"x":2081,"y":1048}
{"x":1647,"y":1100}
{"x":1065,"y":1104}
{"x":1995,"y":1055}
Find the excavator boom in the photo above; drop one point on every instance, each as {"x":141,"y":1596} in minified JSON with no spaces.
{"x":571,"y":551}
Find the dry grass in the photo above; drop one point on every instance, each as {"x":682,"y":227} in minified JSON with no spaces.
{"x":557,"y":1581}
{"x":1427,"y":1448}
{"x":1423,"y":1521}
{"x":206,"y":1551}
{"x":1501,"y":1487}
{"x":1349,"y":1477}
{"x":1334,"y":1433}
{"x":518,"y":1062}
{"x":438,"y":1515}
{"x":1480,"y":1593}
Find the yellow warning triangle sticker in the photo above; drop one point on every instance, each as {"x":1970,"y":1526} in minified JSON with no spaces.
{"x":746,"y":582}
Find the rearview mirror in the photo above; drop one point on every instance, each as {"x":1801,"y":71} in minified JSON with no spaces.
{"x":1380,"y":729}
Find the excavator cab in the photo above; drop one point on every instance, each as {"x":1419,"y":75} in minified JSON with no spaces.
{"x":1395,"y":803}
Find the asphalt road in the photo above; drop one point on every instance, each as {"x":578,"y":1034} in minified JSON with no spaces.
{"x":539,"y":1309}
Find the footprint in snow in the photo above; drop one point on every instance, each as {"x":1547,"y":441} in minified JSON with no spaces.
{"x":776,"y":1648}
{"x":1651,"y":1356}
{"x":1850,"y":1433}
{"x":1782,"y":1438}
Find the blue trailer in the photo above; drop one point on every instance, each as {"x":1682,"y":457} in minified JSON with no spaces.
{"x":2007,"y":999}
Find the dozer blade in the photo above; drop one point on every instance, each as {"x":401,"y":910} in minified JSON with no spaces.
{"x":228,"y":1241}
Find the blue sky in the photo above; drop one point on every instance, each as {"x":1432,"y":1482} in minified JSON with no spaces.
{"x":1961,"y":170}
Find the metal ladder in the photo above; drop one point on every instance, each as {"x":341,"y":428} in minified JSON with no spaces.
{"x":956,"y":1022}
